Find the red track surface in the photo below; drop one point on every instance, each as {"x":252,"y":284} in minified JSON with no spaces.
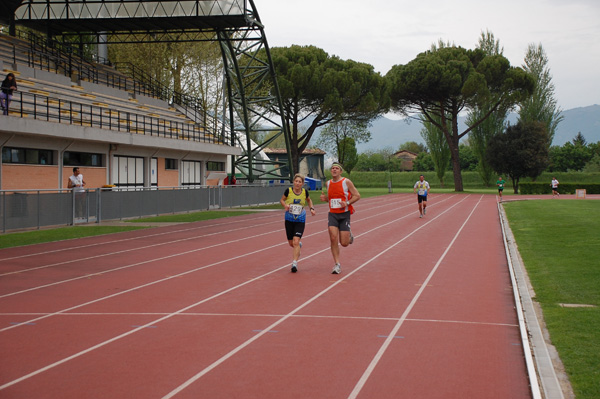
{"x":423,"y":309}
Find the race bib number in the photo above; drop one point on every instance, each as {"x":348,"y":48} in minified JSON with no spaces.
{"x":295,"y":209}
{"x":335,"y":203}
{"x":422,"y":192}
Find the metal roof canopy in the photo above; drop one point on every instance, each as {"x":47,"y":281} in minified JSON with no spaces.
{"x":120,"y":16}
{"x":236,"y":26}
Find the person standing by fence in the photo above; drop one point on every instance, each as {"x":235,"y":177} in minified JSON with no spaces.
{"x":77,"y":183}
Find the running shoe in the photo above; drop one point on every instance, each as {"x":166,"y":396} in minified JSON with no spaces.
{"x":294,"y":267}
{"x":421,"y":215}
{"x":424,"y":211}
{"x":351,"y":237}
{"x":337,"y":269}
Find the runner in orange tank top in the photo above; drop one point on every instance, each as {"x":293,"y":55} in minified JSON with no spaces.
{"x":341,"y":194}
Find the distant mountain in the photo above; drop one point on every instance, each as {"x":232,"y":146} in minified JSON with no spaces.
{"x":391,"y":133}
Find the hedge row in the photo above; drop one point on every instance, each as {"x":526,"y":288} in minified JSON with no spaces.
{"x":563,"y":188}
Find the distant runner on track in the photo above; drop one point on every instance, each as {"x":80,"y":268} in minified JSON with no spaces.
{"x":293,"y":200}
{"x":341,"y":194}
{"x":421,"y":188}
{"x":500,"y":183}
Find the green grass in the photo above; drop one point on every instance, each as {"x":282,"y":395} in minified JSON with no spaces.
{"x":193,"y":216}
{"x":559,"y":241}
{"x":9,"y":240}
{"x":16,"y":239}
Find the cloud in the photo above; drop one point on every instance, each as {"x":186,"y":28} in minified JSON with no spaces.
{"x":384,"y":33}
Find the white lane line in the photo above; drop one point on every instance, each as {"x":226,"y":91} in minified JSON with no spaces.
{"x":369,"y":370}
{"x":78,"y":260}
{"x":167,"y":278}
{"x":553,"y":389}
{"x":151,"y":323}
{"x":99,"y":273}
{"x":160,"y":280}
{"x":254,"y":225}
{"x":120,"y":240}
{"x":293,"y":312}
{"x":71,"y":248}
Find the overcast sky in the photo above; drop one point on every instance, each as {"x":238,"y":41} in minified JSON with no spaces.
{"x":384,"y":33}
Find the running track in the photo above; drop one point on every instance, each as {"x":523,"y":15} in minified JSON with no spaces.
{"x":424,"y":308}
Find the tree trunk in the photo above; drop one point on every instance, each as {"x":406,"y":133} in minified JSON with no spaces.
{"x":455,"y":156}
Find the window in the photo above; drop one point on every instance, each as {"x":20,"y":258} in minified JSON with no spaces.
{"x":170,"y":164}
{"x":191,"y":173}
{"x":71,"y":158}
{"x":30,"y":156}
{"x":215,"y":166}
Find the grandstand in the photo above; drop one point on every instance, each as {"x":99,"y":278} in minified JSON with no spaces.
{"x":69,"y":112}
{"x":125,"y":132}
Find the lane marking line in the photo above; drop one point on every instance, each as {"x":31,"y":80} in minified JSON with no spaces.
{"x":243,"y":345}
{"x":369,"y":370}
{"x":305,"y":304}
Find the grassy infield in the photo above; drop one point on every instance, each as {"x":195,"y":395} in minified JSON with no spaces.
{"x":559,"y":242}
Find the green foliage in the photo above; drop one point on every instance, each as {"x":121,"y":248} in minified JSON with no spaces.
{"x":593,"y":165}
{"x":334,"y":135}
{"x":448,"y":80}
{"x":495,"y":123}
{"x":569,"y":157}
{"x":424,"y":162}
{"x":347,"y":154}
{"x":324,"y":89}
{"x":521,"y":151}
{"x":541,"y":106}
{"x":438,"y":146}
{"x":468,"y":158}
{"x":412,"y":146}
{"x":373,"y":161}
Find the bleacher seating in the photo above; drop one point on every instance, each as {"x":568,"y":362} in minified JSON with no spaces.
{"x":87,"y":98}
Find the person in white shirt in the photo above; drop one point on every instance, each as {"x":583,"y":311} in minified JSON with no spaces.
{"x":77,"y":183}
{"x":555,"y":184}
{"x":422,"y":188}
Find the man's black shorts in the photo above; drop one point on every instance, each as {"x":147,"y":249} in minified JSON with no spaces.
{"x":421,"y":198}
{"x":339,"y":220}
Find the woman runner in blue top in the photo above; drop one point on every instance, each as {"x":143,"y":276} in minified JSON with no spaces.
{"x":293,"y":200}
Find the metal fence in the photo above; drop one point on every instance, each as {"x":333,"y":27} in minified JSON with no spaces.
{"x":31,"y":209}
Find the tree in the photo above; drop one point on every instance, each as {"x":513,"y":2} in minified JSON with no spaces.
{"x":521,"y":151}
{"x":191,"y":68}
{"x":579,"y":140}
{"x":412,"y":146}
{"x":378,"y":161}
{"x":569,"y":157}
{"x":347,"y":153}
{"x":438,"y":147}
{"x":541,"y":105}
{"x":423,"y":162}
{"x":321,"y":89}
{"x":494,"y":124}
{"x":336,"y":133}
{"x":442,"y":83}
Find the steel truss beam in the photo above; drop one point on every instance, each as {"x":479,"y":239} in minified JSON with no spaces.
{"x":254,"y":103}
